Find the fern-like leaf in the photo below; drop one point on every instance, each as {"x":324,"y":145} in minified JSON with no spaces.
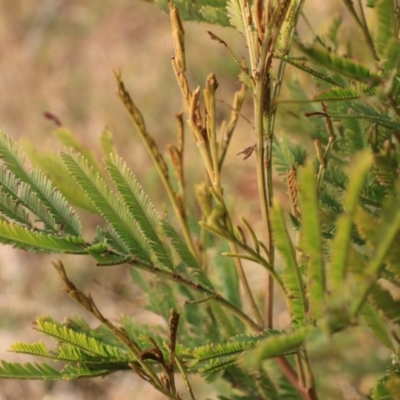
{"x":342,"y":94}
{"x":12,"y":209}
{"x":37,"y":206}
{"x":81,"y":341}
{"x":374,"y":321}
{"x":384,"y":300}
{"x":36,"y":349}
{"x":200,"y":11}
{"x":340,"y":65}
{"x":214,"y":15}
{"x":37,"y":183}
{"x":123,"y":228}
{"x":53,"y":167}
{"x":303,"y":67}
{"x":311,"y":241}
{"x":342,"y":240}
{"x":140,"y":207}
{"x":214,"y":357}
{"x":235,"y":15}
{"x":277,"y":345}
{"x":389,"y":227}
{"x":186,"y":256}
{"x":42,"y":371}
{"x":386,"y":26}
{"x":286,"y":154}
{"x":21,"y":237}
{"x":290,"y":275}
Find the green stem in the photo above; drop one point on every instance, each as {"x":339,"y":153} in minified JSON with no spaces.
{"x":264,"y":123}
{"x":261,"y":178}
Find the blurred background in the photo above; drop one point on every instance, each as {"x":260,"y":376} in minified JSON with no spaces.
{"x":57,"y":56}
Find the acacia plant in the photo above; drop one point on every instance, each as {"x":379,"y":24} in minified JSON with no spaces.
{"x":332,"y":251}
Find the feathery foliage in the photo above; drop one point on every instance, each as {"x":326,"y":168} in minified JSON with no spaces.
{"x":331,"y":247}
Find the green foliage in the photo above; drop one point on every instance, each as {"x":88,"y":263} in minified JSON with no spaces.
{"x":212,"y":11}
{"x":331,"y":247}
{"x":291,"y":276}
{"x":311,"y":242}
{"x":386,"y":28}
{"x":376,"y":324}
{"x":340,"y":65}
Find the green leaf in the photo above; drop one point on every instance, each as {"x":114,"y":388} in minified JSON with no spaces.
{"x":82,"y":341}
{"x":186,"y":256}
{"x":393,"y":385}
{"x":140,"y":207}
{"x":12,"y":209}
{"x":124,"y":229}
{"x":71,"y":354}
{"x":286,"y":153}
{"x":392,"y":59}
{"x":214,"y":15}
{"x":55,"y":170}
{"x":340,"y":65}
{"x":225,"y":320}
{"x":380,"y":391}
{"x":277,"y":345}
{"x":342,"y":241}
{"x":48,"y":203}
{"x":334,"y":30}
{"x":366,"y":113}
{"x":384,"y":300}
{"x":374,"y":321}
{"x":211,"y":11}
{"x":33,"y":202}
{"x":21,"y":237}
{"x":303,"y":67}
{"x":290,"y":275}
{"x":311,"y":240}
{"x":214,"y":357}
{"x":37,"y":349}
{"x":388,"y":230}
{"x":386,"y":26}
{"x":353,"y":140}
{"x":42,"y":371}
{"x":235,"y":15}
{"x":343,"y":94}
